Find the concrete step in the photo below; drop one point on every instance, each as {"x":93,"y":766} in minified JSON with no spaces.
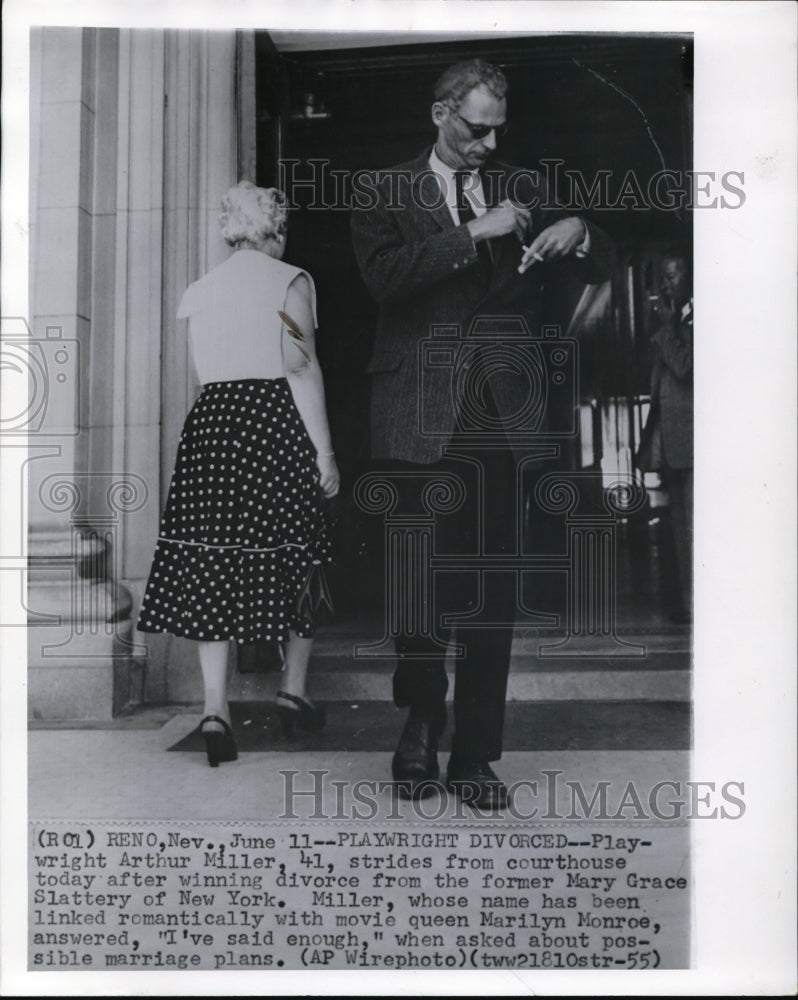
{"x":368,"y":726}
{"x":658,"y":669}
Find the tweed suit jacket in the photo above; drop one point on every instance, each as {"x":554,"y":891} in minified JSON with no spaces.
{"x":424,"y":271}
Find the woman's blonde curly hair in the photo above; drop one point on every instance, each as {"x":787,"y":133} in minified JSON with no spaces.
{"x":252,"y":215}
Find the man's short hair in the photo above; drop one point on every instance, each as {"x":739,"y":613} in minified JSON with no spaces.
{"x":455,"y":83}
{"x":679,"y":258}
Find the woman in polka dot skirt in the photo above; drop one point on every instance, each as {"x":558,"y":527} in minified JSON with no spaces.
{"x":244,"y":523}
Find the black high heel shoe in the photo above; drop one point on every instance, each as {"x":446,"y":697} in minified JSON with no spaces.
{"x":305,"y":715}
{"x":220,"y":746}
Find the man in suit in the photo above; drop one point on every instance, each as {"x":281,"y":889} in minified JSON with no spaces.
{"x":440,"y":240}
{"x":670,"y":424}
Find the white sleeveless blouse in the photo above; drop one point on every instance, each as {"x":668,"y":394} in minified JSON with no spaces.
{"x":234,"y":329}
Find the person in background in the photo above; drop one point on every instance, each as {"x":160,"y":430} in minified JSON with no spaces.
{"x":243,"y":536}
{"x":672,"y":414}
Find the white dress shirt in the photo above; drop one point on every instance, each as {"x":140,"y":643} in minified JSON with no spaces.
{"x":472,"y":188}
{"x":474,"y":192}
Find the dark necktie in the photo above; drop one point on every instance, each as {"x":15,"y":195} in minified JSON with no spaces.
{"x":465,"y":212}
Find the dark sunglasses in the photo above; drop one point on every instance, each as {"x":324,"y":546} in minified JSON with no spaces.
{"x":482,"y":131}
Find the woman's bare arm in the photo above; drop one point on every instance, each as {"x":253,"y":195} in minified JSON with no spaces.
{"x":305,"y":380}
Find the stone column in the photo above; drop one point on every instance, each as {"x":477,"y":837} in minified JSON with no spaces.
{"x":80,"y":662}
{"x":200,"y":164}
{"x":134,"y":140}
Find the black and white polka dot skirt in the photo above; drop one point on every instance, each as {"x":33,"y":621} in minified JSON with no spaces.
{"x":244,"y":520}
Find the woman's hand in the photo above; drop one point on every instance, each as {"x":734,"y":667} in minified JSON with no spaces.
{"x":330,"y":476}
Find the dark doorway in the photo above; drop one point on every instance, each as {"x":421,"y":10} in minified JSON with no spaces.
{"x":603,"y":107}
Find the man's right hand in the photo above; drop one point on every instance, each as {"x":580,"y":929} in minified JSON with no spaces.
{"x":505,"y":218}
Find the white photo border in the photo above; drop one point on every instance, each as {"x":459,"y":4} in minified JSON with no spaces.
{"x":744,"y":645}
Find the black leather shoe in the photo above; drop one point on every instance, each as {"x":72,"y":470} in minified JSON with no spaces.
{"x":476,"y":783}
{"x":292,"y":710}
{"x":220,"y":744}
{"x":415,"y":763}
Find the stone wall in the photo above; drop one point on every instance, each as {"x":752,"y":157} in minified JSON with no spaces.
{"x":134,"y":139}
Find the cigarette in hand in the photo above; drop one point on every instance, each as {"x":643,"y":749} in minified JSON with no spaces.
{"x":535,"y":256}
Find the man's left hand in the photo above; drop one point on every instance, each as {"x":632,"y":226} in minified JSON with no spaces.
{"x":558,"y":240}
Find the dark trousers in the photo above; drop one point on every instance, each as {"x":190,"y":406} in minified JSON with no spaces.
{"x":488,"y":512}
{"x":679,"y":483}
